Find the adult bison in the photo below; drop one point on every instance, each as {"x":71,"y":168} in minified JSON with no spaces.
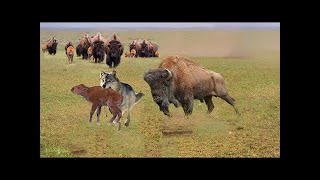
{"x":52,"y":46}
{"x":114,"y":50}
{"x":85,"y":43}
{"x":179,"y":80}
{"x":136,"y":45}
{"x":98,"y":51}
{"x":79,"y":50}
{"x":153,"y":48}
{"x":145,"y":49}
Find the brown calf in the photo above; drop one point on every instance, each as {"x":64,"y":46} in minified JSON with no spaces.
{"x":127,"y":54}
{"x":90,"y":54}
{"x":99,"y":97}
{"x":157,"y":54}
{"x":70,"y":54}
{"x":133,"y":53}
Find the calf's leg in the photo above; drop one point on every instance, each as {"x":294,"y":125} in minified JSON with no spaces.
{"x":93,"y":109}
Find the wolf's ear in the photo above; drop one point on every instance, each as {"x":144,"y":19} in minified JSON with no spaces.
{"x":102,"y":73}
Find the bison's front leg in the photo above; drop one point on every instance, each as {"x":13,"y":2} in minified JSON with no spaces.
{"x":188,"y":106}
{"x":209,"y":103}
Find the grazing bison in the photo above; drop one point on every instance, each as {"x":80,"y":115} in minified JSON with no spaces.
{"x":99,"y":97}
{"x":98,"y":51}
{"x":52,"y":46}
{"x":67,"y":45}
{"x":179,"y":80}
{"x":70,"y":54}
{"x":114,"y":51}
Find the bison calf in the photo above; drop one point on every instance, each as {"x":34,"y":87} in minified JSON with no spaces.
{"x":127,"y":54}
{"x":157,"y":54}
{"x":99,"y":97}
{"x":90,"y":54}
{"x":70,"y":54}
{"x":133,"y":53}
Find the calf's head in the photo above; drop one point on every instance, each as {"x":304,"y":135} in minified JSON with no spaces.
{"x":79,"y":89}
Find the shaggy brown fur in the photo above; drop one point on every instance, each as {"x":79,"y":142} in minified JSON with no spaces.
{"x":70,"y":54}
{"x":179,"y":80}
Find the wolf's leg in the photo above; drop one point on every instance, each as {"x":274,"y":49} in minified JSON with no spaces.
{"x":129,"y":110}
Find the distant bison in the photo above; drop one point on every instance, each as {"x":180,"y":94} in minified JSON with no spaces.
{"x":44,"y":47}
{"x":179,"y":80}
{"x":127,"y":54}
{"x":98,"y":51}
{"x":90,"y":53}
{"x":52,"y":46}
{"x":133,"y":53}
{"x":136,"y":45}
{"x":114,"y":51}
{"x":70,"y":54}
{"x":67,"y":45}
{"x":153,"y":49}
{"x":79,"y":50}
{"x":85,"y":43}
{"x":157,"y":54}
{"x":145,"y":49}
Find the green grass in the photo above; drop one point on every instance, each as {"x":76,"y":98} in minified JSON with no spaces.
{"x":254,"y":82}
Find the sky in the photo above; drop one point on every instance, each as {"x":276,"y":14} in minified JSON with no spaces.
{"x":67,"y":25}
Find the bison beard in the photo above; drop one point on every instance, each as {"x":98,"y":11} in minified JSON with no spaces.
{"x":178,"y":80}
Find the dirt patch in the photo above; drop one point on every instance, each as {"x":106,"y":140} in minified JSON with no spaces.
{"x":78,"y":152}
{"x":176,"y":132}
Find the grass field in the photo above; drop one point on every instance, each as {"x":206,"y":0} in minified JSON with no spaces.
{"x":248,"y":60}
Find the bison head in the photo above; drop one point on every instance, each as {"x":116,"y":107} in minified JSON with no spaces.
{"x":160,"y":82}
{"x":114,"y":47}
{"x":145,"y":48}
{"x":98,"y":48}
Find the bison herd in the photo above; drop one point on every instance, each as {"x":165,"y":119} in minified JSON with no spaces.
{"x":177,"y":80}
{"x":97,"y":48}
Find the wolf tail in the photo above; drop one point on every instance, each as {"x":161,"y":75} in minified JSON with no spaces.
{"x":138,"y":97}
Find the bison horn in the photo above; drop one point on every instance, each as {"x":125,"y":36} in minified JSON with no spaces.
{"x":169,"y":74}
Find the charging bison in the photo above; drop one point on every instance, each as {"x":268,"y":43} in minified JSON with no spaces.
{"x":179,"y":80}
{"x":52,"y":46}
{"x":98,"y":51}
{"x":114,"y":51}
